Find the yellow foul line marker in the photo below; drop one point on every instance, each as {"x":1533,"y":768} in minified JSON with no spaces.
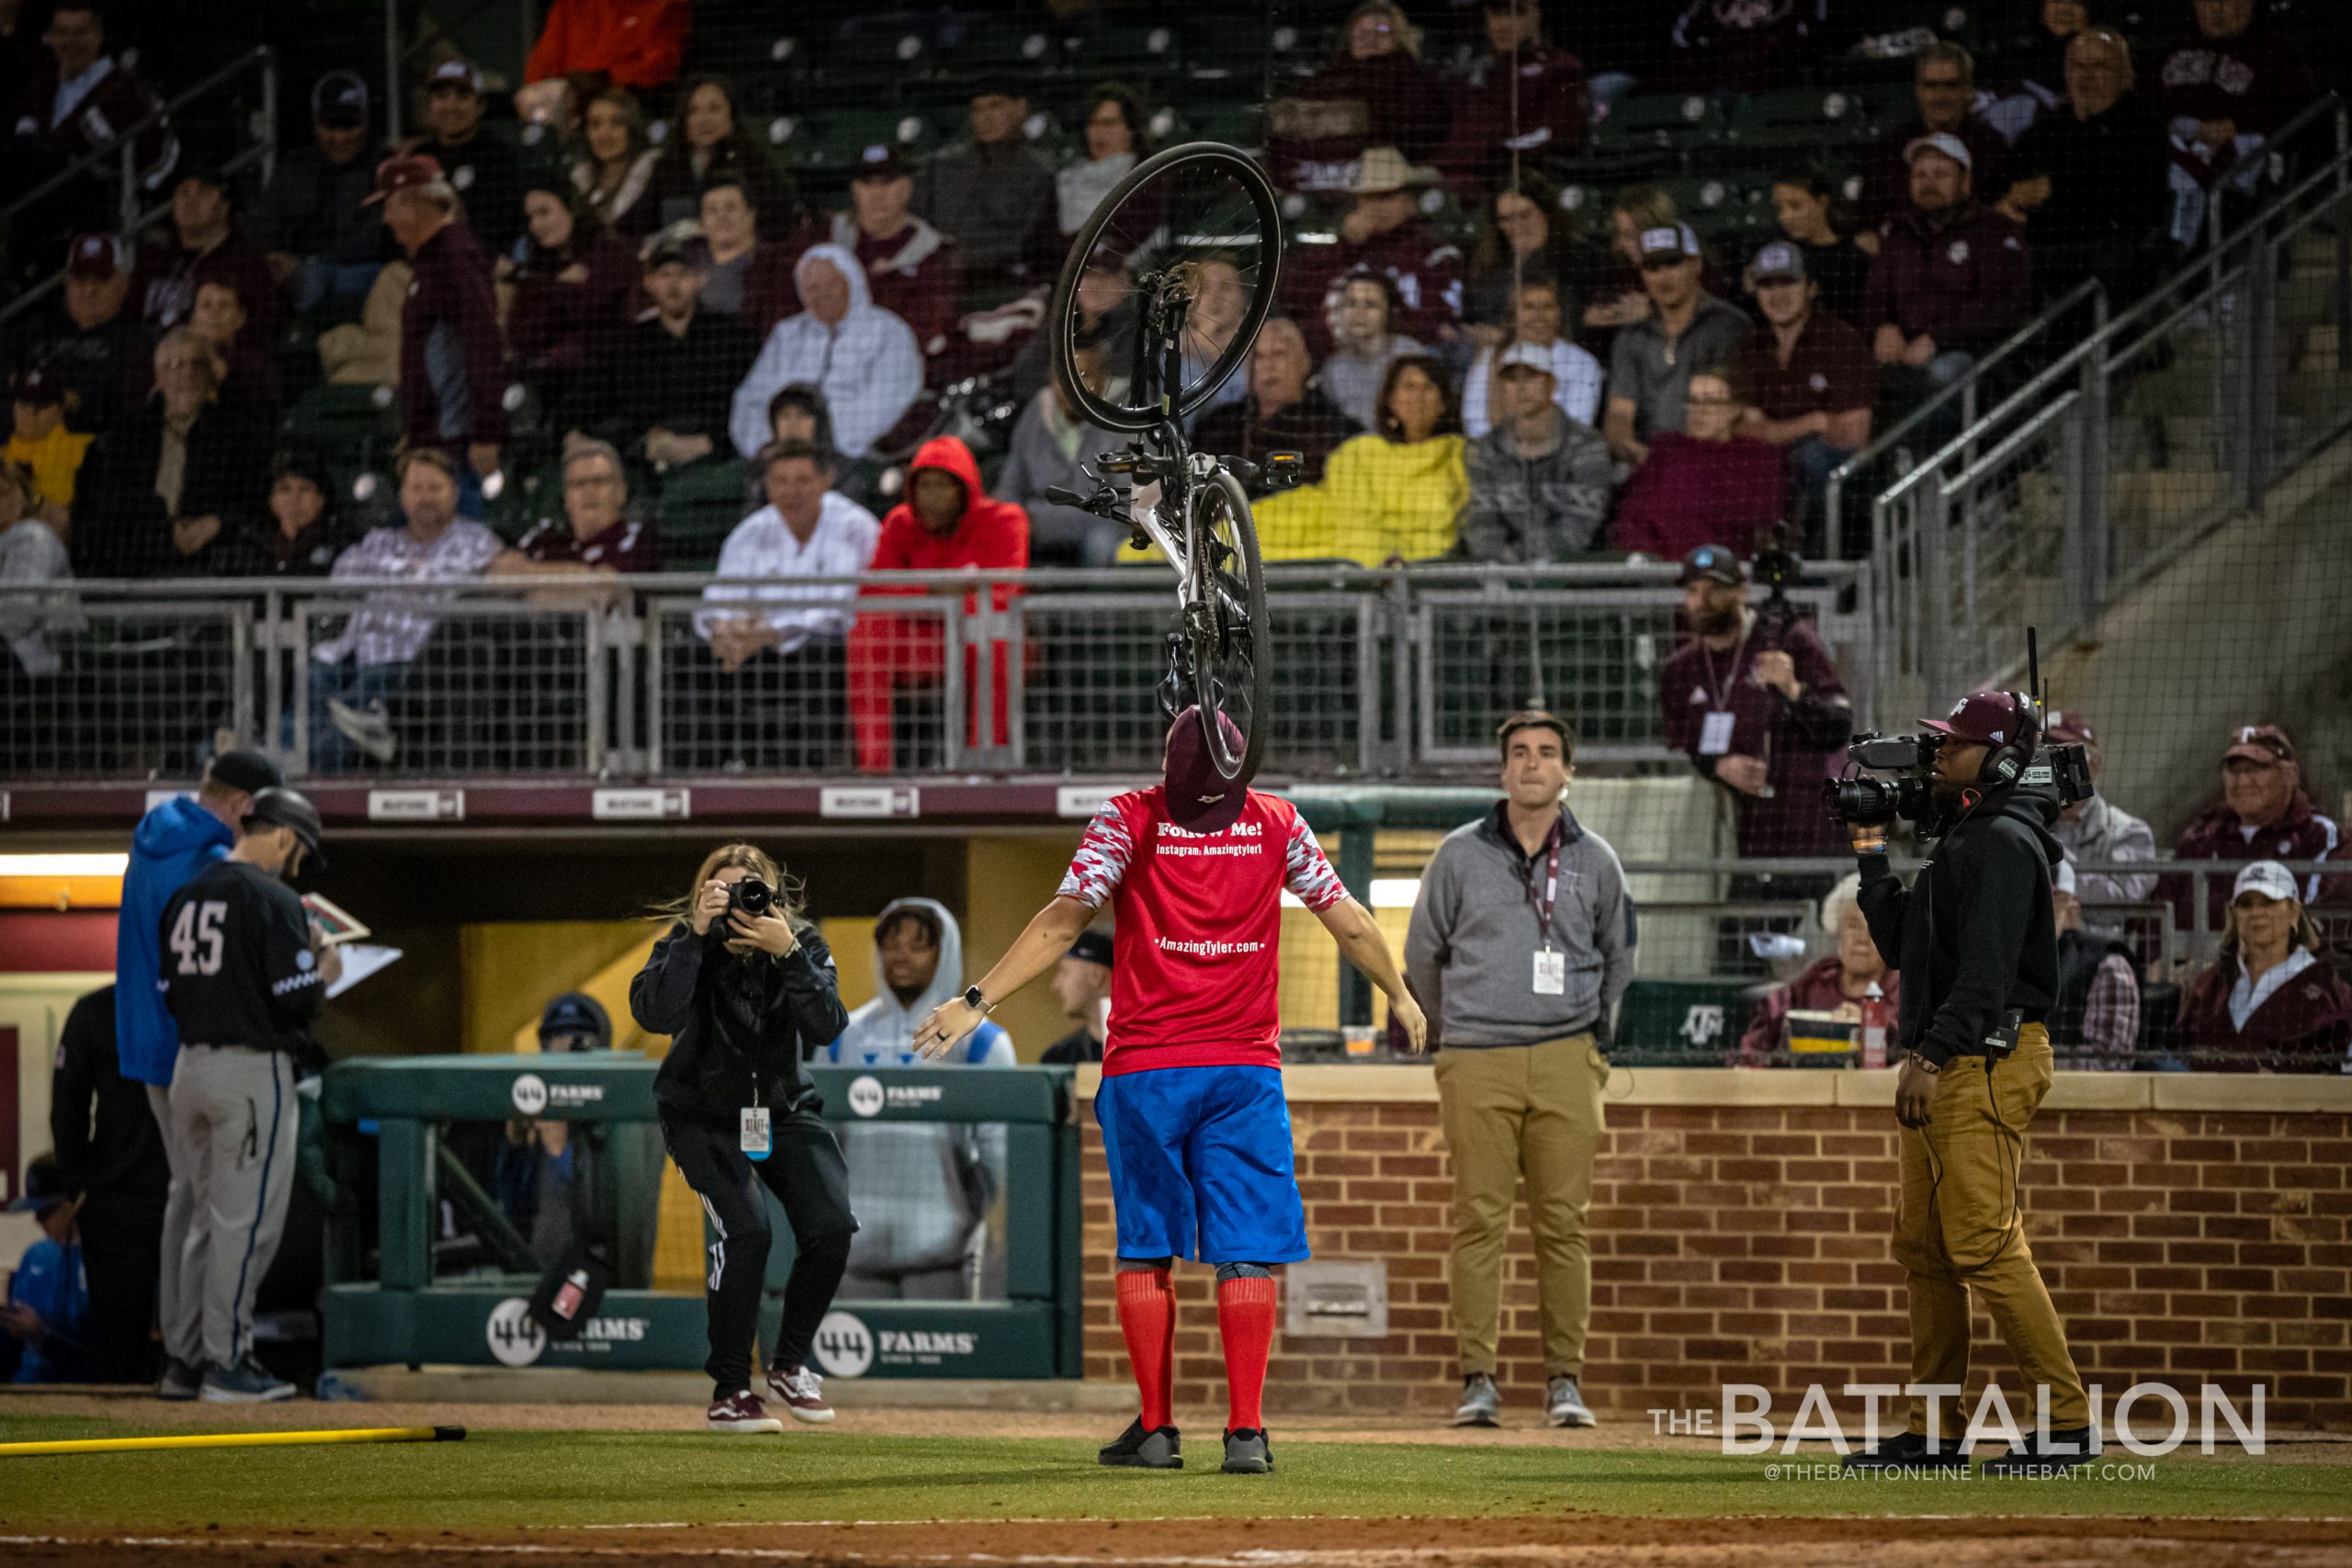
{"x":236,"y":1440}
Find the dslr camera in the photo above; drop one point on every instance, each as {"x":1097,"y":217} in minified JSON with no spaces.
{"x":753,"y":897}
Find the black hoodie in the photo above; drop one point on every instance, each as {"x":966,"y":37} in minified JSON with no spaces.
{"x":1973,"y":936}
{"x":727,"y":1014}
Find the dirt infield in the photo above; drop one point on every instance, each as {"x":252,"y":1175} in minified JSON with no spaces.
{"x":1574,"y":1542}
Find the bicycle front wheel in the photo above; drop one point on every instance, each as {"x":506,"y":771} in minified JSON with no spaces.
{"x":1165,"y":287}
{"x":1231,"y":645}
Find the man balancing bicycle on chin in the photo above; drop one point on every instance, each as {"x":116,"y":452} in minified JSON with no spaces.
{"x":1191,"y":1103}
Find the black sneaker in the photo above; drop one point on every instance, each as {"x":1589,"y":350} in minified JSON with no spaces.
{"x":1142,"y":1448}
{"x":1247,"y":1453}
{"x":2039,"y":1462}
{"x":1908,"y":1451}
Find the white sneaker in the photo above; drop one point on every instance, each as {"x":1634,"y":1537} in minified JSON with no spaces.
{"x":1564,"y":1404}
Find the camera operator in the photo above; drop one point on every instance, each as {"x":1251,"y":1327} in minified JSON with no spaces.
{"x":1977,"y":943}
{"x":1755,"y":703}
{"x":746,"y":989}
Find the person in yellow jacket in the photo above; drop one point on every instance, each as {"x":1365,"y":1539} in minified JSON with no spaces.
{"x":1392,"y":495}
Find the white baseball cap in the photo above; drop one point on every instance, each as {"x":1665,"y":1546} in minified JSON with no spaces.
{"x":2269,"y":878}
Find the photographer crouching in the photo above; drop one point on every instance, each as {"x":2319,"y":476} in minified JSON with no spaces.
{"x":1975,"y":944}
{"x":746,"y":989}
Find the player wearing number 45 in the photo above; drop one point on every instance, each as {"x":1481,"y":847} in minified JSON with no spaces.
{"x":1194,"y":1127}
{"x":1522,"y":942}
{"x":243,"y":972}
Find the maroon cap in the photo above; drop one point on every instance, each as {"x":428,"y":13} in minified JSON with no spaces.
{"x":2265,"y":743}
{"x":1200,"y":800}
{"x":95,"y":256}
{"x":1989,"y":718}
{"x":2070,"y":728}
{"x":401,"y":173}
{"x":38,"y":386}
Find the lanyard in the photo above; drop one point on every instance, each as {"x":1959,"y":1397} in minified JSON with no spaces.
{"x":1721,"y":690}
{"x":1545,"y":902}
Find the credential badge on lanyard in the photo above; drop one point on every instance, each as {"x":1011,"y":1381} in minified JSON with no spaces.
{"x":1551,"y":965}
{"x":758,"y":1132}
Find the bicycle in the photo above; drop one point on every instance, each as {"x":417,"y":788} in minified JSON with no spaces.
{"x":1171,"y":278}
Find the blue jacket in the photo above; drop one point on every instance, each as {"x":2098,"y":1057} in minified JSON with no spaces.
{"x":174,"y":843}
{"x":50,"y":1280}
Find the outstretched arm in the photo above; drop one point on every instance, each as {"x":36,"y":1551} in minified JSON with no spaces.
{"x":1361,"y":942}
{"x":1037,"y":949}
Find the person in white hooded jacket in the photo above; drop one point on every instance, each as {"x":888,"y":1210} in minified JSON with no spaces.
{"x":864,"y":358}
{"x":921,"y":1191}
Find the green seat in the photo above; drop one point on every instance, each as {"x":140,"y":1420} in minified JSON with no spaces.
{"x":701,"y":503}
{"x":1661,"y":122}
{"x":356,"y":425}
{"x":1682,"y":1024}
{"x":1799,"y":119}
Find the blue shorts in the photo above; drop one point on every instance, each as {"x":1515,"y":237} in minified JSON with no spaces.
{"x":1201,"y":1165}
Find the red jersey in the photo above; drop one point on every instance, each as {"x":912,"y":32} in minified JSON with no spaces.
{"x":1196,"y":948}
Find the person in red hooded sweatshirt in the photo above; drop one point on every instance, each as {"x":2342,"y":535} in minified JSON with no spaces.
{"x":946,"y":524}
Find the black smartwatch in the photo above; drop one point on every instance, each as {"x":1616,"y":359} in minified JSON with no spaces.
{"x":976,"y":1002}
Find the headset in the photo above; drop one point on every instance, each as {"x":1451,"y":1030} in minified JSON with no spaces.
{"x":2007,"y":764}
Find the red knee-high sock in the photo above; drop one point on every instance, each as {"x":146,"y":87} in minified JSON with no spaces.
{"x":1148,"y":1319}
{"x":1245,"y":1323}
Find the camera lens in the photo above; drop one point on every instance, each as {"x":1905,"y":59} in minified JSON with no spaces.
{"x":753,"y":896}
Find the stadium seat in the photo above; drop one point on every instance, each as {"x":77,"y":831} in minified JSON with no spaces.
{"x":1674,"y":124}
{"x":701,"y":502}
{"x":1682,"y":1024}
{"x":357,"y":424}
{"x":1799,"y":119}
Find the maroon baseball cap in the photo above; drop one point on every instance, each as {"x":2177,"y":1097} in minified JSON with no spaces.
{"x":1988,"y":718}
{"x":39,"y":387}
{"x":401,"y":173}
{"x":2265,"y":743}
{"x":95,"y":256}
{"x":1200,"y":800}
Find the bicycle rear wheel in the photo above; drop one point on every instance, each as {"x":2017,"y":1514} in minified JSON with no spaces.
{"x":1231,"y":647}
{"x":1191,"y":235}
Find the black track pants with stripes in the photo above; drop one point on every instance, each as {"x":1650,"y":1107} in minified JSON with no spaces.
{"x":806,"y":1173}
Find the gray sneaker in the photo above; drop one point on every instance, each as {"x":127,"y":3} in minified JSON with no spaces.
{"x":247,"y":1383}
{"x":1564,"y":1404}
{"x":1482,"y":1403}
{"x":180,"y":1382}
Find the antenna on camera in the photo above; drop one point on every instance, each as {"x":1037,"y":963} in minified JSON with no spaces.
{"x":2033,"y":672}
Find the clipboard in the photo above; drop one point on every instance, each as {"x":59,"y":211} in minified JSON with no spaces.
{"x":339,"y":924}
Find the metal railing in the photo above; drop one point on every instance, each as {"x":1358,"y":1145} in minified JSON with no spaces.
{"x":1048,"y":673}
{"x":259,"y":147}
{"x":2121,"y":452}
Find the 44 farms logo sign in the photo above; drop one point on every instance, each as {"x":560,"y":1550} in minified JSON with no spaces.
{"x":516,"y":1340}
{"x":846,"y":1348}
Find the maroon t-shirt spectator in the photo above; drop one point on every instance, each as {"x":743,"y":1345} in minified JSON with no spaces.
{"x":627,"y":546}
{"x":916,"y":275}
{"x":1886,"y":176}
{"x":2259,"y":79}
{"x":1801,"y":741}
{"x":1739,"y":46}
{"x":451,"y":295}
{"x":565,"y":323}
{"x":2303,"y":1025}
{"x":1422,"y":267}
{"x":1965,"y":284}
{"x":1548,"y":114}
{"x":164,"y":281}
{"x":1694,"y":492}
{"x":1318,"y":130}
{"x":1829,"y":370}
{"x":2216,"y":833}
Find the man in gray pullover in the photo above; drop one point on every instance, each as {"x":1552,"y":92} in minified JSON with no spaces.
{"x":1522,"y":942}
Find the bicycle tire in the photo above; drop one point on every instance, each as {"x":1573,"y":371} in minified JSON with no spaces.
{"x":1204,"y":156}
{"x":1211,"y":682}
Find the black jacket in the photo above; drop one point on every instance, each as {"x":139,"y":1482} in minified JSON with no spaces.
{"x":236,"y":963}
{"x":728,"y":1015}
{"x":120,"y":528}
{"x":117,"y":1151}
{"x":1972,"y":937}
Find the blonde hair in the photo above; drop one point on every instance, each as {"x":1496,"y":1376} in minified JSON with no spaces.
{"x":2305,"y":935}
{"x":1650,"y":207}
{"x":755,"y":862}
{"x":1400,"y":26}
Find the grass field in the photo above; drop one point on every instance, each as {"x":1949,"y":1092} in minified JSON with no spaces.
{"x":510,"y":1478}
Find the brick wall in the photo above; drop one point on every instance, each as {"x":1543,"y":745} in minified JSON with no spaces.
{"x":1748,"y":1242}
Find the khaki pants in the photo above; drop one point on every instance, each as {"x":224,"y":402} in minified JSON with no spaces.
{"x":1531,"y":1111}
{"x":1960,"y":1227}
